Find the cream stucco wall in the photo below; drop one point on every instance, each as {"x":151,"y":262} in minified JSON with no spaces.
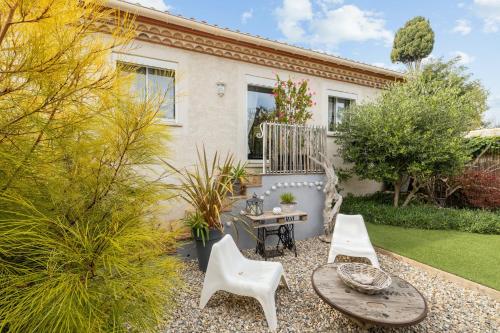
{"x":219,"y":123}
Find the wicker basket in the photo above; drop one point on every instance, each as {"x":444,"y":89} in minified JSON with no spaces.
{"x":364,"y":278}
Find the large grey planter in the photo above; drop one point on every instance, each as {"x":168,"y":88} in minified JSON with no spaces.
{"x":203,"y":250}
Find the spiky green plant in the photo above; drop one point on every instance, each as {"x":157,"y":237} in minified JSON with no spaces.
{"x":239,"y":172}
{"x":197,"y":224}
{"x":205,"y":186}
{"x":287,"y":198}
{"x":80,"y":250}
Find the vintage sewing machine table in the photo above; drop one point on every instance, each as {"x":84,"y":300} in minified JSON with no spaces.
{"x":281,"y":225}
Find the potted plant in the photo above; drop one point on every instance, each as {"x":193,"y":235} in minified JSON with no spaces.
{"x":205,"y":187}
{"x":201,"y":233}
{"x":239,"y":176}
{"x":287,"y":202}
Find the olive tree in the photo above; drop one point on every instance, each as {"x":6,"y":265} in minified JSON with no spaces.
{"x":413,"y":42}
{"x":415,"y":129}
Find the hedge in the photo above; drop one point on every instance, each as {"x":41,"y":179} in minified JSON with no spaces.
{"x":377,"y":209}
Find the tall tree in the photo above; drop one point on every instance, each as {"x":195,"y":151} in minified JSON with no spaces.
{"x":415,"y":129}
{"x":79,"y":250}
{"x":412,"y":43}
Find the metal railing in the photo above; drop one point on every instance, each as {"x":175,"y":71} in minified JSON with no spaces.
{"x":292,"y":148}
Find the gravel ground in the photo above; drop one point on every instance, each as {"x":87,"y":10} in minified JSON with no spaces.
{"x":451,"y":307}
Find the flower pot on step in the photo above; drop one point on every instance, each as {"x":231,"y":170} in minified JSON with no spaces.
{"x":236,"y":188}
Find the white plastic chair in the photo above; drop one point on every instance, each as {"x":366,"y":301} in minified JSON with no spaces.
{"x":350,"y":238}
{"x":230,"y":271}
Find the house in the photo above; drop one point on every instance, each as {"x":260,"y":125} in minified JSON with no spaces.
{"x":223,"y":78}
{"x":485,"y":132}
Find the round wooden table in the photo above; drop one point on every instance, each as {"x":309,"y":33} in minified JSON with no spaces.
{"x":397,"y":306}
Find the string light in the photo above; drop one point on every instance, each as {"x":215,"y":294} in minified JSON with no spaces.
{"x":318,"y":185}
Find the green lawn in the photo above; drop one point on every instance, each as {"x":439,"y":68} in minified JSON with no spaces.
{"x":475,"y":257}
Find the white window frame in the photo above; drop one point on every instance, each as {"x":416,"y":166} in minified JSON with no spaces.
{"x":336,"y":94}
{"x":253,"y":80}
{"x":157,"y":64}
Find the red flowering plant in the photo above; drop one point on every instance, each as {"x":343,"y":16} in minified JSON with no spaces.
{"x":293,"y":99}
{"x":481,"y":188}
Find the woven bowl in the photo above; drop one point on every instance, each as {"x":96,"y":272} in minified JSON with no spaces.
{"x":364,"y":278}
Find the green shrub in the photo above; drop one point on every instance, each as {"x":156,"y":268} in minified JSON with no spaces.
{"x":80,"y":245}
{"x":415,"y":129}
{"x":378,"y":210}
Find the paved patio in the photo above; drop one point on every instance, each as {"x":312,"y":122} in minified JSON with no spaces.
{"x":451,"y":307}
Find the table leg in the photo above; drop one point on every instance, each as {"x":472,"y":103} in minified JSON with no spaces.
{"x":286,"y":234}
{"x":260,"y":248}
{"x":264,"y":231}
{"x":257,"y":242}
{"x":282,"y":236}
{"x":292,"y":231}
{"x":280,"y":239}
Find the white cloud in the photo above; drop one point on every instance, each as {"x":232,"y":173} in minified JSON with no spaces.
{"x":157,"y":4}
{"x":331,"y":2}
{"x":330,"y":26}
{"x":246,"y":16}
{"x":290,"y":17}
{"x":326,"y":4}
{"x":489,"y":11}
{"x":464,"y":58}
{"x":462,"y":27}
{"x":349,"y":23}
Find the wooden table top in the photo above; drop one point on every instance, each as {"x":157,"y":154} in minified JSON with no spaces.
{"x":399,"y":305}
{"x":257,"y":225}
{"x":280,"y":218}
{"x":268,"y":215}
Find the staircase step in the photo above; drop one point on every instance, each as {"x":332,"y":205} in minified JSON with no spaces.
{"x":254,"y":181}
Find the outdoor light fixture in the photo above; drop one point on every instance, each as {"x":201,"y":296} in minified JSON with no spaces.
{"x":255,"y":206}
{"x":221,"y":88}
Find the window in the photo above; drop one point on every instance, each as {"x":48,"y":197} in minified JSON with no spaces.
{"x":336,"y":107}
{"x":260,"y":102}
{"x":151,"y":81}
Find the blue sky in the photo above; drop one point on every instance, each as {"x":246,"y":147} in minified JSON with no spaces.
{"x":363,"y":30}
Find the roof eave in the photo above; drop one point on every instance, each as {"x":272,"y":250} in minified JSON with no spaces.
{"x":166,"y":17}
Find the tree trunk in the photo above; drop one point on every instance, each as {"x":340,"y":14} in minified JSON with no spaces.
{"x":408,"y":198}
{"x":414,"y":191}
{"x":397,"y":191}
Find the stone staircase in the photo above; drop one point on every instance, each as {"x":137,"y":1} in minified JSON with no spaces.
{"x":254,"y":181}
{"x":254,"y":178}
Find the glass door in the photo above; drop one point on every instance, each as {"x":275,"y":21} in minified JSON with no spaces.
{"x":260,"y":102}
